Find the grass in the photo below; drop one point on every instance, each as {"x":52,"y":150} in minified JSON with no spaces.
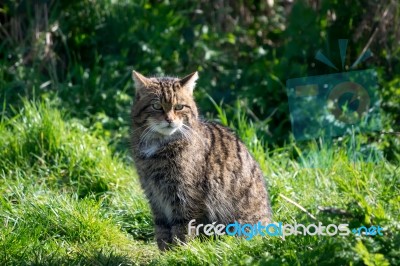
{"x":68,"y":200}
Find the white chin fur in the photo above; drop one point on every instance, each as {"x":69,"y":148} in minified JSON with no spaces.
{"x":167,"y":131}
{"x":152,"y":147}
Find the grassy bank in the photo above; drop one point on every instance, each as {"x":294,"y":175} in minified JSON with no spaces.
{"x":68,"y":199}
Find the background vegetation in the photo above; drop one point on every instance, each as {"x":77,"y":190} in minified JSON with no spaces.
{"x":69,"y":193}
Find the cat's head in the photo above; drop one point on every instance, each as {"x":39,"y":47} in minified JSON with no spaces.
{"x":164,"y":105}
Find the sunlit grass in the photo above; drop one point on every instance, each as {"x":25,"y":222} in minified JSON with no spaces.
{"x":66,"y":199}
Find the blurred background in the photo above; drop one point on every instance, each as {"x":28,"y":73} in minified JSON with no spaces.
{"x":79,"y":55}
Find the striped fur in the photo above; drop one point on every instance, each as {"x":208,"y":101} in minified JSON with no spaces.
{"x":189,"y":168}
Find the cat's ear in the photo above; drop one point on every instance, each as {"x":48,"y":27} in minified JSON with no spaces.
{"x":140,"y":80}
{"x":189,"y":82}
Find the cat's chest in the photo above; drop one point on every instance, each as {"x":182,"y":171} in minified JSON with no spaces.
{"x":172,"y":197}
{"x":172,"y":184}
{"x":150,"y":150}
{"x":154,"y":149}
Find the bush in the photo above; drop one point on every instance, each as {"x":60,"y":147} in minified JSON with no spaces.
{"x":243,"y":50}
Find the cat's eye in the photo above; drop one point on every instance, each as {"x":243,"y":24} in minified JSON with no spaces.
{"x":178,"y":107}
{"x":157,"y":106}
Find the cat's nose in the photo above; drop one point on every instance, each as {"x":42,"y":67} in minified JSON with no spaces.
{"x":169,"y":120}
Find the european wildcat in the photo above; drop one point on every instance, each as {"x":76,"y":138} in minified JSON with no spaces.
{"x":189,"y":168}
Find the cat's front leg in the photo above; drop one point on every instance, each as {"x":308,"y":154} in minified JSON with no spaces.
{"x":163,"y":234}
{"x":179,"y":233}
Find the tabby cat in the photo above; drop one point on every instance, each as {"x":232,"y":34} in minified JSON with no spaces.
{"x":190,"y":168}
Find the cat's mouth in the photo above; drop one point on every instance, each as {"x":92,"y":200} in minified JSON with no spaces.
{"x":168,"y":130}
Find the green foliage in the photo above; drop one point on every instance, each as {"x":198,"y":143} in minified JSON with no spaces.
{"x":370,"y":259}
{"x":83,"y":52}
{"x":69,"y":195}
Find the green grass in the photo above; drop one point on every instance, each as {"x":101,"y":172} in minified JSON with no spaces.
{"x":68,"y":200}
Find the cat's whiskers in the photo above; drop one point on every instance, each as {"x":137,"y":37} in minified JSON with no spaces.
{"x":143,"y":134}
{"x":186,"y":134}
{"x":146,"y":134}
{"x":194,"y":133}
{"x":137,"y":129}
